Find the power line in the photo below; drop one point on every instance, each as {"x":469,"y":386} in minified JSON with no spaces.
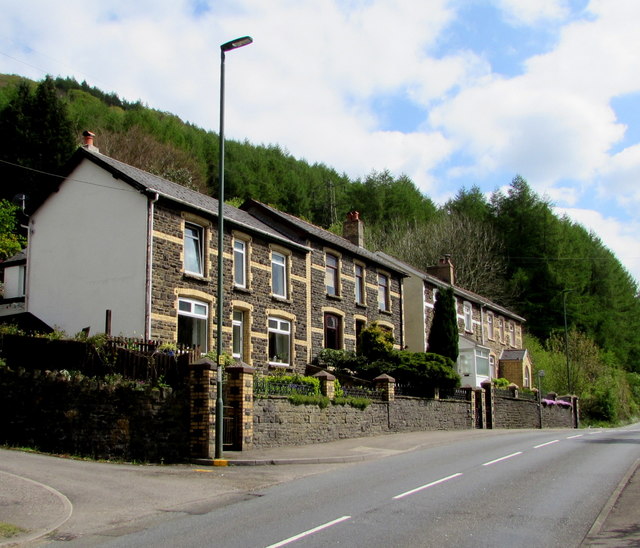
{"x":65,"y":177}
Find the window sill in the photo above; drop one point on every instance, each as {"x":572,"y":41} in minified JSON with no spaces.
{"x":281,"y":299}
{"x":196,"y":277}
{"x":241,"y":289}
{"x":385,"y":312}
{"x":334,"y":297}
{"x":280,"y":366}
{"x":361,"y":305}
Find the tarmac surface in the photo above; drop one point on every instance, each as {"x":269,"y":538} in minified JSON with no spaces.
{"x":46,"y":515}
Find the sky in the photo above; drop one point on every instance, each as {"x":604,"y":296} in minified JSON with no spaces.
{"x":452,"y":93}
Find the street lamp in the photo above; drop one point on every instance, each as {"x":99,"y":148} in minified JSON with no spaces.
{"x":228,"y":46}
{"x":566,"y":336}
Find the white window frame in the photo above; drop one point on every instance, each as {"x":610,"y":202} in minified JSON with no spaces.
{"x":22,"y":280}
{"x":332,"y":275}
{"x":189,"y":310}
{"x":360,"y":285}
{"x":512,"y":334}
{"x":237,"y":338}
{"x":240,"y":263}
{"x":194,"y":244}
{"x":384,"y":292}
{"x":491,"y":330}
{"x":279,"y":265}
{"x":279,"y":327}
{"x":467,"y":312}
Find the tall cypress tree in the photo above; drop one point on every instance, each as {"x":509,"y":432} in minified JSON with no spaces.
{"x":443,"y":336}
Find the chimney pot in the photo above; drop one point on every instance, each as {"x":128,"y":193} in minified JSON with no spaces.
{"x":353,"y":229}
{"x":444,"y":270}
{"x":88,"y":140}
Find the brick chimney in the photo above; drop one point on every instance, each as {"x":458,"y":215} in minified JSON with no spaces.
{"x":353,"y":229}
{"x":443,"y":270}
{"x":87,"y":138}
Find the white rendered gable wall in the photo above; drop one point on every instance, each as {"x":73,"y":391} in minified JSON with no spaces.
{"x":87,"y":254}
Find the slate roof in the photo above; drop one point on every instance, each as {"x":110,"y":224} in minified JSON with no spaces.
{"x":17,"y":259}
{"x":150,"y":184}
{"x":311,"y":231}
{"x":469,"y":295}
{"x":516,"y":355}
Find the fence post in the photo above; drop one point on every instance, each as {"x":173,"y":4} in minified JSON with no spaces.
{"x":327,"y":384}
{"x":481,"y":408}
{"x":240,"y":398}
{"x":387,"y":385}
{"x":575,"y":402}
{"x":489,"y":402}
{"x":202,"y":408}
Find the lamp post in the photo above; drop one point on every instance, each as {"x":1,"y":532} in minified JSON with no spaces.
{"x":566,"y":336}
{"x":227,"y":46}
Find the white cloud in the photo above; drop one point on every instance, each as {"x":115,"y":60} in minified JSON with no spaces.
{"x":310,"y":79}
{"x":531,"y":12}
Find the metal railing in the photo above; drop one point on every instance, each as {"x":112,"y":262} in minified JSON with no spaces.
{"x":264,"y":387}
{"x":361,"y":392}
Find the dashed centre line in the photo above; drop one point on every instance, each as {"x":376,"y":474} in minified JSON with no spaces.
{"x":502,"y":458}
{"x":545,"y":444}
{"x":422,"y":487}
{"x":309,"y":532}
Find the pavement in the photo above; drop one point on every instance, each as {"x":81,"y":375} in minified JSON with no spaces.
{"x":44,"y":514}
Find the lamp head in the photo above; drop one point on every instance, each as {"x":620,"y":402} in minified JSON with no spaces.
{"x":237,"y":43}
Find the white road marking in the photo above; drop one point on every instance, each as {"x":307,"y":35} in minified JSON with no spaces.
{"x":422,"y":487}
{"x":309,"y":532}
{"x":545,"y":444}
{"x":502,"y":458}
{"x":574,"y":437}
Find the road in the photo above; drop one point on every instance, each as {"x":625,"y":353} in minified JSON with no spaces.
{"x":524,"y":488}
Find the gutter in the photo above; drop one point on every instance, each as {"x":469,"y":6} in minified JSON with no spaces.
{"x":267,"y":235}
{"x":149,"y":270}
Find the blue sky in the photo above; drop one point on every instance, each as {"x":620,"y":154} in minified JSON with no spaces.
{"x":452,"y":93}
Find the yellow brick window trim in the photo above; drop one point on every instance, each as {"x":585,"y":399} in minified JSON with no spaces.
{"x":171,"y":320}
{"x":167,"y":237}
{"x":187,"y":293}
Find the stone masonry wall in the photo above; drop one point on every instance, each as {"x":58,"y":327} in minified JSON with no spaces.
{"x":171,"y":282}
{"x":556,"y":417}
{"x":344,"y":304}
{"x":516,"y":413}
{"x":52,"y":412}
{"x":277,"y":422}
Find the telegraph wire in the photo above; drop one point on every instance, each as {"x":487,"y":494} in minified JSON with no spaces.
{"x":65,"y":177}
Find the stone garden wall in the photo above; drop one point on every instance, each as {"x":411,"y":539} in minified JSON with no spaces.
{"x":277,"y":422}
{"x":128,"y":420}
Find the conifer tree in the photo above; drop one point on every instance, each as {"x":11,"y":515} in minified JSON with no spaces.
{"x":443,"y":336}
{"x":35,"y":139}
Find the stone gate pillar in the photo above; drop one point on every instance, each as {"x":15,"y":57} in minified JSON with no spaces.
{"x":202,"y":408}
{"x":240,"y":400}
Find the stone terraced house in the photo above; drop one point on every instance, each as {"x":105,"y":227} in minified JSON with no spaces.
{"x":490,"y":336}
{"x":115,"y":241}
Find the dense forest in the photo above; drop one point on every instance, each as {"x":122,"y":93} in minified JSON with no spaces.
{"x":510,"y":247}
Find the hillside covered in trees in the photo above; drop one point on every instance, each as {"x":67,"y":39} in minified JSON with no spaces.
{"x":510,"y":247}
